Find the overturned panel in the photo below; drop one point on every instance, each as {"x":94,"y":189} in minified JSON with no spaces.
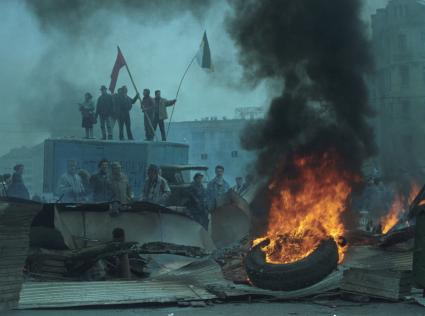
{"x":15,"y":221}
{"x":230,"y":222}
{"x":375,"y":258}
{"x":142,"y":226}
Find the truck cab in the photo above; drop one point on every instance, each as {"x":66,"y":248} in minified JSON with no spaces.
{"x":179,"y":178}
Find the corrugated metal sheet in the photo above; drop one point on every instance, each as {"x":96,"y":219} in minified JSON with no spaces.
{"x":185,"y":284}
{"x":330,"y":283}
{"x":15,"y":221}
{"x":201,"y":280}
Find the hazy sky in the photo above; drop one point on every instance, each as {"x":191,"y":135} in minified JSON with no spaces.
{"x":33,"y":61}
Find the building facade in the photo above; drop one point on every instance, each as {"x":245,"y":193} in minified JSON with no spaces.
{"x":398,"y":87}
{"x":213,"y":141}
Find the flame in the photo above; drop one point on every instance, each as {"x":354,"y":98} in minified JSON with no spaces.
{"x":398,"y":207}
{"x":307,"y":208}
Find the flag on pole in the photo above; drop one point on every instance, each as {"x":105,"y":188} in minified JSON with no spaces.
{"x":203,"y":57}
{"x":119,"y":63}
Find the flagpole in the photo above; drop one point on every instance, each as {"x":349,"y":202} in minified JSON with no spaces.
{"x":137,"y":92}
{"x":178,"y":91}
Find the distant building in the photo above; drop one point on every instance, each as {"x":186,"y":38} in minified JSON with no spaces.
{"x":32,"y":159}
{"x":213,"y":141}
{"x":398,"y":87}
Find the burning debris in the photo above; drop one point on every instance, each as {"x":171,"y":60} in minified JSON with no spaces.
{"x":313,"y":199}
{"x":399,"y":207}
{"x":315,"y":138}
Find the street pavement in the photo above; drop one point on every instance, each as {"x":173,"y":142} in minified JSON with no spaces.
{"x":337,"y":308}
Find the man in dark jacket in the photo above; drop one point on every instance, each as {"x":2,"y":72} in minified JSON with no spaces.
{"x":101,"y":183}
{"x":17,"y":187}
{"x":148,"y":108}
{"x":160,"y":114}
{"x":104,"y":112}
{"x":197,"y":201}
{"x":125,"y":103}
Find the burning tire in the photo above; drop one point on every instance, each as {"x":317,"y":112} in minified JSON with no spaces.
{"x":292,"y":276}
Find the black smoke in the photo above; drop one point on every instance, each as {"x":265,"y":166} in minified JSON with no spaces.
{"x":320,"y":52}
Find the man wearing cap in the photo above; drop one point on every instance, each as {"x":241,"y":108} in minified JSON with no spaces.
{"x":197,"y":201}
{"x":121,"y":189}
{"x":104,"y":109}
{"x":160,"y":114}
{"x":156,"y":189}
{"x":125,"y":103}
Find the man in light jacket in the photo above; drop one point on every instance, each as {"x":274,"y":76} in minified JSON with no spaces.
{"x":156,"y":189}
{"x":160,"y":114}
{"x":70,"y":187}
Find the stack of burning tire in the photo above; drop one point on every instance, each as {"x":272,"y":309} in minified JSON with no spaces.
{"x":295,"y":275}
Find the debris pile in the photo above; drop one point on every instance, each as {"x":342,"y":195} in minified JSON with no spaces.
{"x":231,"y":260}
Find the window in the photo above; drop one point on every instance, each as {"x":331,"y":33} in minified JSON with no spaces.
{"x":407,"y":142}
{"x":234,"y":154}
{"x":423,"y":105}
{"x":423,"y":73}
{"x":390,"y":109}
{"x":389,"y":80}
{"x":405,"y":109}
{"x":404,"y":76}
{"x":402,"y":43}
{"x":204,"y":156}
{"x":423,"y":39}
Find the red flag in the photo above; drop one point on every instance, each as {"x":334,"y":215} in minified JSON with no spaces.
{"x":119,"y":63}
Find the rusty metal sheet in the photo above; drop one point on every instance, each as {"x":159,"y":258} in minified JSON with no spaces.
{"x":15,"y":221}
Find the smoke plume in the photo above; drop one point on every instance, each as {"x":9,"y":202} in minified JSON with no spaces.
{"x":71,"y":17}
{"x":78,"y":42}
{"x":319,"y":50}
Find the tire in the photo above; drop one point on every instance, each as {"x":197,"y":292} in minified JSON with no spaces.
{"x":295,"y":275}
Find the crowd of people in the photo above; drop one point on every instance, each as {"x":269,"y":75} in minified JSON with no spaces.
{"x":113,"y":108}
{"x":110,"y":184}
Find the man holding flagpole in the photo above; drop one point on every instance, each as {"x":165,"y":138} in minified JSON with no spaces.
{"x":160,"y":114}
{"x":119,"y":63}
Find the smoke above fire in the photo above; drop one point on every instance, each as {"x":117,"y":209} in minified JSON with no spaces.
{"x":312,"y":144}
{"x":320,"y":52}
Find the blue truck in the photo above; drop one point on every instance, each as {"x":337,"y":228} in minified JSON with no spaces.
{"x":134,"y":157}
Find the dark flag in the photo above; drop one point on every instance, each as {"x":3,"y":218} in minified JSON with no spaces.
{"x":203,"y":57}
{"x":119,"y":63}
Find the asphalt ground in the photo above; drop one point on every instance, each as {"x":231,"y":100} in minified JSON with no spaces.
{"x":337,"y":308}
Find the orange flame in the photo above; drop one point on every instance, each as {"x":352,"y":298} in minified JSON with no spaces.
{"x":399,"y":206}
{"x":307,"y":209}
